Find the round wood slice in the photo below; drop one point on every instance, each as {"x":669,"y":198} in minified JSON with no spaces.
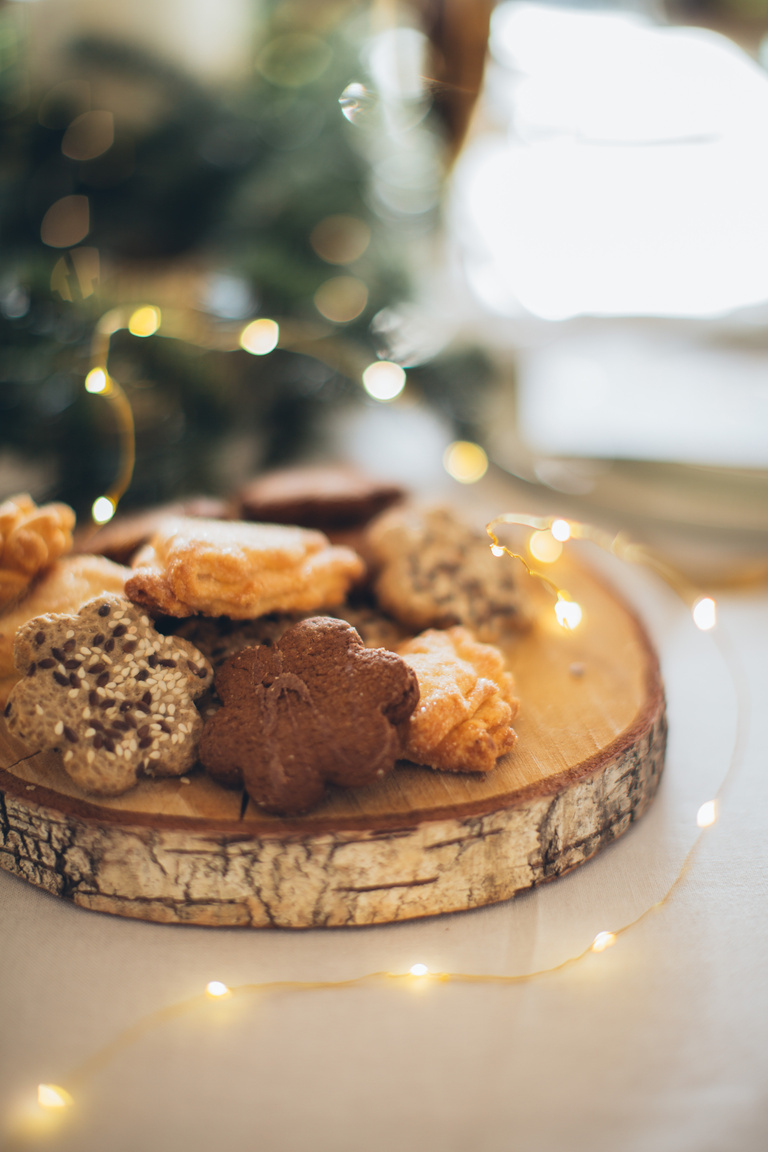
{"x":592,"y":734}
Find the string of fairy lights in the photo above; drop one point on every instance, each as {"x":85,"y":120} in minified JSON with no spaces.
{"x":546,"y":537}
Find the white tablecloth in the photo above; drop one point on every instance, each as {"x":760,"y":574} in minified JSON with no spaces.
{"x":658,"y":1042}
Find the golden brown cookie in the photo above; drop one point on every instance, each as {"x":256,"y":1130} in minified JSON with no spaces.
{"x":112,"y":695}
{"x":315,"y":708}
{"x":64,"y":587}
{"x":230,"y":568}
{"x":434,"y":572}
{"x":467,"y":704}
{"x":31,"y":539}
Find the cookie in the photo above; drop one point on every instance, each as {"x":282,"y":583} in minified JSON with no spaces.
{"x":220,"y":568}
{"x":31,"y":539}
{"x":122,"y":537}
{"x":329,"y":496}
{"x":64,"y":587}
{"x":315,"y":708}
{"x":105,"y":689}
{"x":434,"y":572}
{"x":467,"y":702}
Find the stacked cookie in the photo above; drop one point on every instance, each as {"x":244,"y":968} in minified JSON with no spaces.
{"x":318,"y":663}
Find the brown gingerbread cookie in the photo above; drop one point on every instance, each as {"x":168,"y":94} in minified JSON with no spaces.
{"x":316,"y":708}
{"x":326,"y":496}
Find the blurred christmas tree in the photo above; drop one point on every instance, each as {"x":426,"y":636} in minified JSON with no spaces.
{"x":261,"y":200}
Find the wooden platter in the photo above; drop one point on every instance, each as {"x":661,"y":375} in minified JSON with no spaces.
{"x":592,"y":736}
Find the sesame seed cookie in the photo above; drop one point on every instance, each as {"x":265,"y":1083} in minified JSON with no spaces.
{"x":230,"y":568}
{"x":105,"y":689}
{"x":64,"y":587}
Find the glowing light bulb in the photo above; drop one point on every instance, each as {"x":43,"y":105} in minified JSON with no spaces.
{"x":568,"y":614}
{"x":465,"y":461}
{"x":103,"y":509}
{"x":602,"y":941}
{"x":418,"y":970}
{"x":216,"y":989}
{"x":705,"y":613}
{"x":707,"y":814}
{"x":96,"y":380}
{"x":544,"y":547}
{"x":497,"y":550}
{"x":383,"y":380}
{"x":260,"y":336}
{"x":145,"y":321}
{"x":561,"y":530}
{"x":52,"y":1096}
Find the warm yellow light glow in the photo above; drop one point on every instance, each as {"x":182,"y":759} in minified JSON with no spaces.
{"x":145,"y":321}
{"x":561,"y":530}
{"x":568,"y":613}
{"x":418,"y":970}
{"x":260,"y":336}
{"x":216,"y":989}
{"x":384,"y":380}
{"x":465,"y":461}
{"x":544,"y":547}
{"x":52,"y":1096}
{"x":497,"y":550}
{"x":103,"y":509}
{"x":705,"y":613}
{"x":707,"y":814}
{"x":341,"y":299}
{"x":602,"y":941}
{"x":96,"y":380}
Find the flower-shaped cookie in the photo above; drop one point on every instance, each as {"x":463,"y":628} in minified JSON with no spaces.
{"x":317,"y":707}
{"x":31,"y":538}
{"x":467,"y":704}
{"x":110,"y":692}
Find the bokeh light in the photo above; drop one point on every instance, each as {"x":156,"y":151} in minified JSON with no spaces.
{"x":544,"y":547}
{"x":89,"y":135}
{"x":66,"y":222}
{"x":96,"y":381}
{"x":260,"y":336}
{"x":53,"y":1096}
{"x":103,"y":509}
{"x":383,"y":380}
{"x":465,"y":461}
{"x":340,"y":239}
{"x":705,"y":613}
{"x":341,"y":299}
{"x":145,"y":321}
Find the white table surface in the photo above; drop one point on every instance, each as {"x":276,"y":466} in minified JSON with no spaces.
{"x":658,"y":1043}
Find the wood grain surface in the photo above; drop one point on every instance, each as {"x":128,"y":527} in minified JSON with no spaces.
{"x":592,"y":735}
